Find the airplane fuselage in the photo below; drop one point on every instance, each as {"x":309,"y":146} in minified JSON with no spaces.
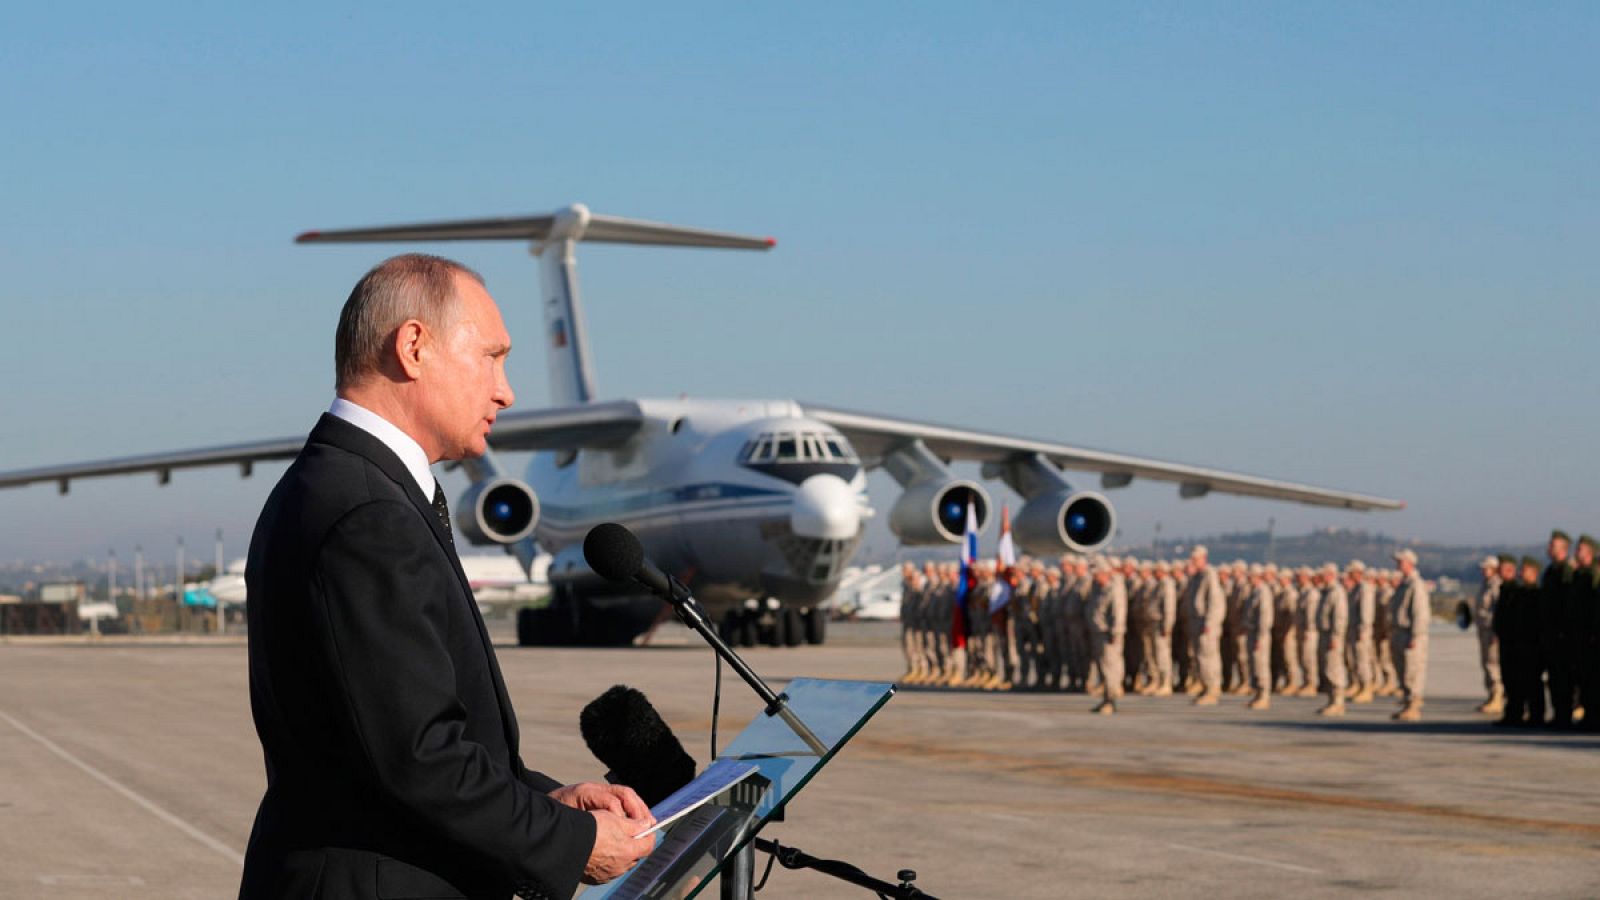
{"x":738,"y":499}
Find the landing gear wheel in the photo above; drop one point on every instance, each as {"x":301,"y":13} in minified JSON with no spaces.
{"x":774,"y":636}
{"x":728,"y":628}
{"x":793,"y":629}
{"x":550,"y":626}
{"x":816,"y":624}
{"x":748,"y":628}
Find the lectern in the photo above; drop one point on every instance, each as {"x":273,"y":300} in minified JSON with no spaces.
{"x":715,"y":840}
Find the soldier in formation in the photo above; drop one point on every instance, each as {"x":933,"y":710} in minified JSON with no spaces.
{"x":1483,"y":619}
{"x":1333,"y":624}
{"x":1257,"y":615}
{"x":1111,"y":626}
{"x":1361,"y":653}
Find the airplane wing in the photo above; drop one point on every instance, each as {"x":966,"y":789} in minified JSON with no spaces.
{"x":567,"y":427}
{"x":571,"y":427}
{"x":877,"y":436}
{"x":162,"y":464}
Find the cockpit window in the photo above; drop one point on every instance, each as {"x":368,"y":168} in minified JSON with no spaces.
{"x":794,"y":447}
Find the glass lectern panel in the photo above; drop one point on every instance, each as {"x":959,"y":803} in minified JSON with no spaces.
{"x":691,"y":852}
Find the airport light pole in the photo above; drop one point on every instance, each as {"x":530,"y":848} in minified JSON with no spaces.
{"x":217,"y":573}
{"x":177,"y":581}
{"x":111,"y":588}
{"x":138,"y":572}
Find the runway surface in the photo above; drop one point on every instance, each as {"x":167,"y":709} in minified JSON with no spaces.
{"x":132,"y":770}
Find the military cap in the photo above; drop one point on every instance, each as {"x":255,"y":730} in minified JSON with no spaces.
{"x":1304,"y":571}
{"x":1585,"y":540}
{"x":1489,"y":562}
{"x":1329,"y":568}
{"x":1272,"y":568}
{"x":1199,"y":550}
{"x":1558,"y":534}
{"x":1507,"y":558}
{"x":1356,"y":565}
{"x":1405,"y":555}
{"x":1163,"y":566}
{"x":1531,"y":561}
{"x":1256,"y":569}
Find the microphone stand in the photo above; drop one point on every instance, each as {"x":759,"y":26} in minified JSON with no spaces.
{"x":738,"y":875}
{"x":690,"y":614}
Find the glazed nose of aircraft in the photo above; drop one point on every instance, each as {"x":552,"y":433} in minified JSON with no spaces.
{"x":825,"y":508}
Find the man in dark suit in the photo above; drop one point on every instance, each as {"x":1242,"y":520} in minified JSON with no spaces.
{"x":391,"y":747}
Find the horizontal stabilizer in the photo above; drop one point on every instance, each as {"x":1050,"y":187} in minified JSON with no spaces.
{"x":573,"y":223}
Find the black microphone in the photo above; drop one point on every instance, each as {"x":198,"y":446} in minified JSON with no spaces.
{"x":614,"y":554}
{"x":626,"y":733}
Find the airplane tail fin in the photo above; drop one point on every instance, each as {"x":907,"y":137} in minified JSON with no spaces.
{"x":555,"y":238}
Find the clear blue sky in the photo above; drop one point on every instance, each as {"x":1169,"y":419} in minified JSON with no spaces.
{"x":1350,"y":244}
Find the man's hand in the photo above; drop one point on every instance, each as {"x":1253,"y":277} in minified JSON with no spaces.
{"x":615,"y":847}
{"x":619,"y":814}
{"x":614,"y":798}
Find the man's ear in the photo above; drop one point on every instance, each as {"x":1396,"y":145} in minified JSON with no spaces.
{"x":410,"y":342}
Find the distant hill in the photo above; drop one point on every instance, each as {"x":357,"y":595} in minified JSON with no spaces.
{"x":1336,"y":545}
{"x":1340,"y":545}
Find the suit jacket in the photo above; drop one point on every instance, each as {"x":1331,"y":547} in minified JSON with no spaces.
{"x":391,"y":746}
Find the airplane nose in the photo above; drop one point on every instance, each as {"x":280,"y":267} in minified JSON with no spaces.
{"x":825,"y":508}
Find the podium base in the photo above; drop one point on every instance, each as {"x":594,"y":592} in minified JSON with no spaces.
{"x":739,"y":873}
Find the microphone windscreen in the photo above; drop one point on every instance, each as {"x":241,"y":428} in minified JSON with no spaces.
{"x":613,"y":552}
{"x":626,"y":733}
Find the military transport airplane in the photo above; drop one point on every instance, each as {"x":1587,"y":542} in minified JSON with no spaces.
{"x":742,"y":499}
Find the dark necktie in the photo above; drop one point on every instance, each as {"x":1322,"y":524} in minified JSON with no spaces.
{"x":442,"y":510}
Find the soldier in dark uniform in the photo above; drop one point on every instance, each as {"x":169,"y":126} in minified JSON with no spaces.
{"x":1553,"y":589}
{"x":1583,"y":637}
{"x":1516,"y":624}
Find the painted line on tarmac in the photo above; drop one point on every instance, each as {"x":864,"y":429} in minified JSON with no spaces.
{"x":1236,"y":857}
{"x":149,"y":806}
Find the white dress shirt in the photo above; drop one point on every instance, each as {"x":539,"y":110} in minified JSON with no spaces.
{"x":409,"y":451}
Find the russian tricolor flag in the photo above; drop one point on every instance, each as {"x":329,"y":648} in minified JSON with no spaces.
{"x":969,"y":557}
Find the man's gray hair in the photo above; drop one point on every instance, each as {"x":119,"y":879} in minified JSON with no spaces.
{"x":409,"y":286}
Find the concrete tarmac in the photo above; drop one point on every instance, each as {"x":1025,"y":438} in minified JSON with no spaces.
{"x":132,"y":770}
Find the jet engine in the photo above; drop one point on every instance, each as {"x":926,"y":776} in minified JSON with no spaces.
{"x":1065,"y":520}
{"x":935,"y":512}
{"x":497,"y":510}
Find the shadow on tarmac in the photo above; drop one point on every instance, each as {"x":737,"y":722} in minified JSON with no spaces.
{"x":1484,"y":729}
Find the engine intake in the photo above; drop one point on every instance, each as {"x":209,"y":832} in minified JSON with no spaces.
{"x":497,"y":511}
{"x":1065,"y":520}
{"x":935,"y":512}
